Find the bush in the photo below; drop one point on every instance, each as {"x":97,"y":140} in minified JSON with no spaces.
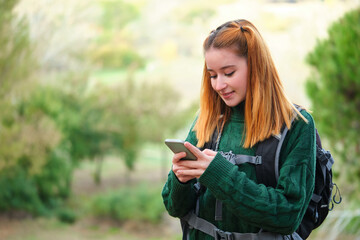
{"x":141,"y":203}
{"x":18,"y":192}
{"x":66,"y":215}
{"x":54,"y":181}
{"x":37,"y":194}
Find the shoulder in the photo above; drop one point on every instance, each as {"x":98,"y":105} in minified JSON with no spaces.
{"x":301,"y":135}
{"x":303,"y":122}
{"x":299,"y":143}
{"x":306,"y":114}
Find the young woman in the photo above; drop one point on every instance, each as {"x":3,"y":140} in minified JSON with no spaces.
{"x":242,"y":99}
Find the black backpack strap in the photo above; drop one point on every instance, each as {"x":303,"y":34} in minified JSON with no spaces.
{"x":268,"y":172}
{"x":265,"y":172}
{"x":185,"y":229}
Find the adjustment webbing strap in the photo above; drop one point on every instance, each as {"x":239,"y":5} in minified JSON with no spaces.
{"x":238,"y":159}
{"x":241,"y":159}
{"x":210,"y":229}
{"x":218,"y":210}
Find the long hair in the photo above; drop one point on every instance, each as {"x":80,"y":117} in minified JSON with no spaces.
{"x":267,"y":107}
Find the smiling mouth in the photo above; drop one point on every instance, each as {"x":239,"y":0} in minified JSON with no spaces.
{"x":227,"y":95}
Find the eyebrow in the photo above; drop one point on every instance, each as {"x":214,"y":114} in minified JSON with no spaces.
{"x":222,"y":68}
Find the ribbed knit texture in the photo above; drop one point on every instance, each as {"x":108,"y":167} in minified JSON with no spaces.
{"x":248,"y":206}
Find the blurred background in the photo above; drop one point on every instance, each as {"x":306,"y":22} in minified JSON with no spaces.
{"x":89,"y":90}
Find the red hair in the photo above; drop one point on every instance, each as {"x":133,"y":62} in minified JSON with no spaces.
{"x":267,"y":107}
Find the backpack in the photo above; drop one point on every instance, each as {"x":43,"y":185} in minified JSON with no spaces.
{"x":322,"y":200}
{"x":267,"y":172}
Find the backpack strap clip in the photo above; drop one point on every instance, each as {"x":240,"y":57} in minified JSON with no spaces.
{"x":222,"y":235}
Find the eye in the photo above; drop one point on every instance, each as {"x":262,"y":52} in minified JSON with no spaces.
{"x":213,"y":76}
{"x":229,"y":74}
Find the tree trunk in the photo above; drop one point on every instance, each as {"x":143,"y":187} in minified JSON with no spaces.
{"x":97,"y":175}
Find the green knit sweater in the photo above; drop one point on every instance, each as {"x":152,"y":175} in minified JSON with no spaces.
{"x":247,"y":205}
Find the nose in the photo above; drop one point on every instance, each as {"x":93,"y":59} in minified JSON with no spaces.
{"x":219,"y":84}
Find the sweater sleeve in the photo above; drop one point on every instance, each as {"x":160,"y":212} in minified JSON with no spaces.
{"x":279,"y":209}
{"x":179,"y":198}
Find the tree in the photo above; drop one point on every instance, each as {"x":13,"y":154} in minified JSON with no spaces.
{"x":15,"y":55}
{"x":132,"y":113}
{"x":27,"y":136}
{"x":114,"y":47}
{"x":334,"y":90}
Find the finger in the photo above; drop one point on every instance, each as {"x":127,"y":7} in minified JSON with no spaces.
{"x":209,"y":152}
{"x":179,"y":173}
{"x":178,"y":156}
{"x":192,"y":173}
{"x":188,"y":164}
{"x":176,"y":170}
{"x":184,"y":179}
{"x":193,"y":149}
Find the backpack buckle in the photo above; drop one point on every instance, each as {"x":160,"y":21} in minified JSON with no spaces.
{"x":222,"y":235}
{"x":258,"y":160}
{"x":230,"y":156}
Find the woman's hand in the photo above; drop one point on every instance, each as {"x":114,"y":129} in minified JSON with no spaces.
{"x":186,"y":170}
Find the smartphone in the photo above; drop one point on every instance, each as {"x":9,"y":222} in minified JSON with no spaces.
{"x":177,"y":146}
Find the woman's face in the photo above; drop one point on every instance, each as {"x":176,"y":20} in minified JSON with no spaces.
{"x":228,"y":74}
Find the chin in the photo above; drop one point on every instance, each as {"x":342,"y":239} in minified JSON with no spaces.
{"x":232,"y":104}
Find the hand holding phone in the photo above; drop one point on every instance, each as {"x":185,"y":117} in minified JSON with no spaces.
{"x":177,"y":146}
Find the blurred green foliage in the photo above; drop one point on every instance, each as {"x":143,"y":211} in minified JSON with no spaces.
{"x":334,"y":90}
{"x":114,"y":47}
{"x":48,"y":127}
{"x":72,"y":113}
{"x":114,"y":54}
{"x":66,"y":215}
{"x":136,"y":203}
{"x":34,"y":175}
{"x":354,"y":225}
{"x":18,"y":192}
{"x":16,"y":60}
{"x":117,"y":14}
